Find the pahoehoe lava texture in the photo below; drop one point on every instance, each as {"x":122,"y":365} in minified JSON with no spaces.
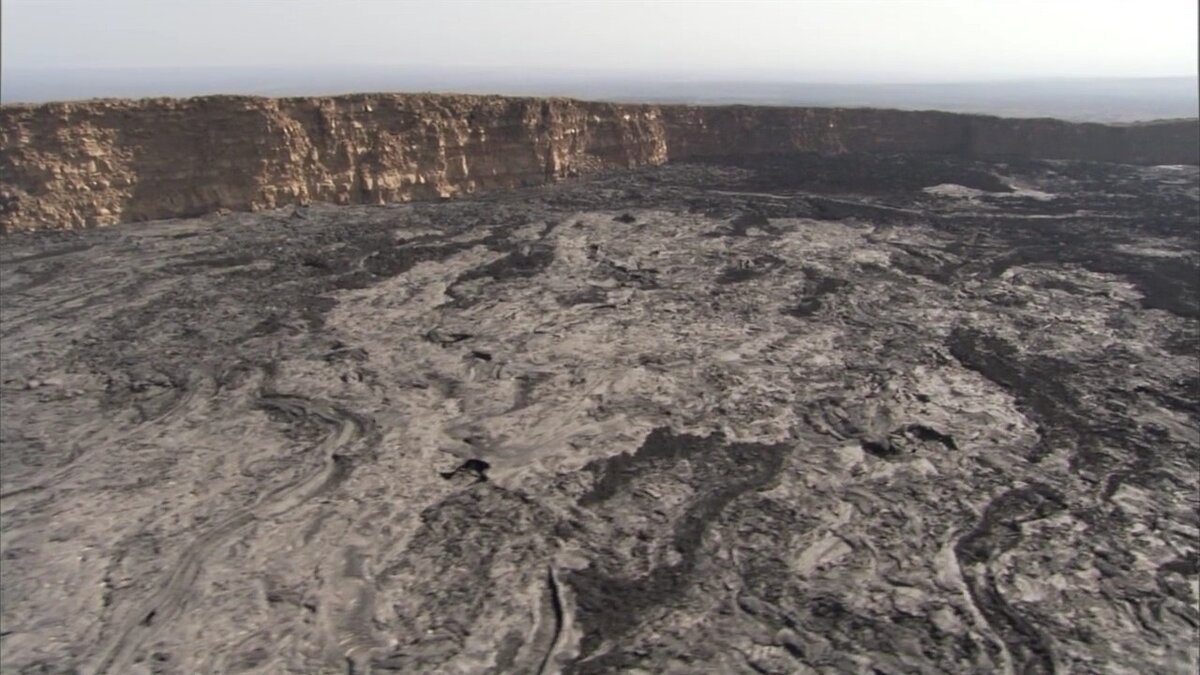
{"x":868,"y":414}
{"x":611,"y":604}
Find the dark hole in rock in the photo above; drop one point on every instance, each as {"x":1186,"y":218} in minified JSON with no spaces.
{"x":925,"y":433}
{"x":881,"y":447}
{"x":472,"y":467}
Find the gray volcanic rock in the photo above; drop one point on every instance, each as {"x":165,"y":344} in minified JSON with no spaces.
{"x":867,"y":414}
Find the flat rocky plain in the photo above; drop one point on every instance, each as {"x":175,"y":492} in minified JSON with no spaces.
{"x":810,"y":415}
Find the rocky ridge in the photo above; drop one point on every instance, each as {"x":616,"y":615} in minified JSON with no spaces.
{"x":68,"y":165}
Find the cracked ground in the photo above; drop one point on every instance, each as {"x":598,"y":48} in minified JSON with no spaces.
{"x":807,"y":415}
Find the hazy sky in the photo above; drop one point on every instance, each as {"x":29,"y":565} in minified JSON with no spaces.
{"x":848,"y":40}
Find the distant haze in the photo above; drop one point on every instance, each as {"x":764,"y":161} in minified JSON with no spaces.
{"x":1112,"y":60}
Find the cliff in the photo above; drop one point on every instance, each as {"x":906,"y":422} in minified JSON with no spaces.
{"x":699,"y":132}
{"x":108,"y":161}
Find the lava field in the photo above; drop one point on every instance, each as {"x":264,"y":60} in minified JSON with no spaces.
{"x":851,"y":414}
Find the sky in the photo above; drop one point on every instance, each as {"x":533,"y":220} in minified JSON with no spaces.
{"x":862,"y":41}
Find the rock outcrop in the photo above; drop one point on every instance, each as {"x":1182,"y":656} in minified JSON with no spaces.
{"x":65,"y":165}
{"x":705,"y":132}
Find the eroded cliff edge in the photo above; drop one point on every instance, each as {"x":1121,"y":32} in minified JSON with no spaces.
{"x":66,"y":165}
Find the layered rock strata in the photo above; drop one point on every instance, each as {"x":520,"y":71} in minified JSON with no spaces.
{"x":66,"y":165}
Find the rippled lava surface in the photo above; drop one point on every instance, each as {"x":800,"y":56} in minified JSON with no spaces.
{"x":809,"y":415}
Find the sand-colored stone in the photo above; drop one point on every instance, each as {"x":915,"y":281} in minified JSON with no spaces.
{"x":70,"y":165}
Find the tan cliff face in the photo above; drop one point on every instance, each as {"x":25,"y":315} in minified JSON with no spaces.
{"x":67,"y":165}
{"x":103,"y":162}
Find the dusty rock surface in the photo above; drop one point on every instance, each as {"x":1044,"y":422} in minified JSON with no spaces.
{"x":855,"y":414}
{"x":70,"y":165}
